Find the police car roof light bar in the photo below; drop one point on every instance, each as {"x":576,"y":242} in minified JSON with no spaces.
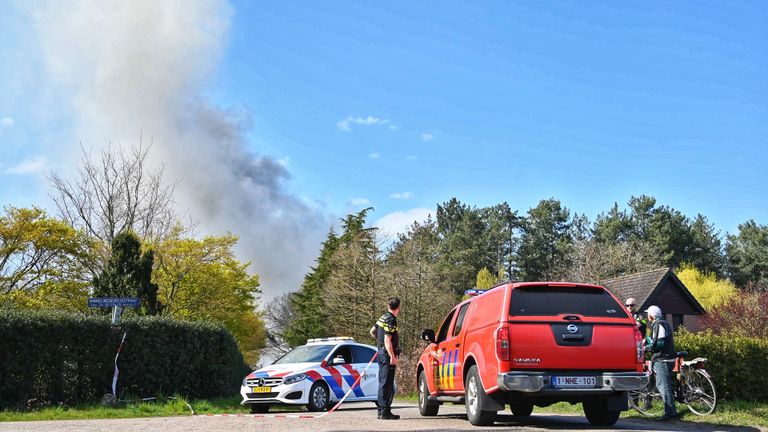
{"x":331,"y":339}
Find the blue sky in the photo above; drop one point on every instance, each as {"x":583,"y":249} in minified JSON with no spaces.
{"x":402,"y":105}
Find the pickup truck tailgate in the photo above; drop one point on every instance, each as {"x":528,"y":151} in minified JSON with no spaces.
{"x":570,"y":328}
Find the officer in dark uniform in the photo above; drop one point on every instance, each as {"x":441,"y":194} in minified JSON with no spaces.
{"x":388,"y":342}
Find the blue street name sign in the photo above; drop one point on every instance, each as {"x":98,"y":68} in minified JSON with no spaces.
{"x":107,"y":302}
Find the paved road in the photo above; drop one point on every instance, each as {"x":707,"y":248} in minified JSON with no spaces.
{"x":356,"y":417}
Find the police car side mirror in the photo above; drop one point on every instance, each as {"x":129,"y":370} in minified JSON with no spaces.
{"x":428,"y":335}
{"x":338,"y":360}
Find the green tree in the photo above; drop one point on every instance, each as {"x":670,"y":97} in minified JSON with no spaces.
{"x":200,"y":279}
{"x":310,"y":314}
{"x":463,"y":244}
{"x":129,"y":274}
{"x":500,"y":239}
{"x":485,"y":279}
{"x":546,"y":241}
{"x":40,"y":261}
{"x":673,"y":235}
{"x":747,"y":256}
{"x":706,"y":251}
{"x":356,"y":282}
{"x":613,"y":227}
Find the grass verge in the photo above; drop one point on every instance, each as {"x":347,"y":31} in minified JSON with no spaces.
{"x":736,"y":413}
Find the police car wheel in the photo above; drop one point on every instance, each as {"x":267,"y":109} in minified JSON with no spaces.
{"x":259,"y":408}
{"x":319,"y":397}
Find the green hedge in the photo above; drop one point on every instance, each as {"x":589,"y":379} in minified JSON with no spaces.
{"x":737,"y":363}
{"x":59,"y":358}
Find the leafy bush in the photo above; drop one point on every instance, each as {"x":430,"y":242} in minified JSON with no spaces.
{"x":744,"y":314}
{"x":735,"y":362}
{"x":48,"y":357}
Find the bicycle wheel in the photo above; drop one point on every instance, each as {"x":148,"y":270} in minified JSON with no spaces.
{"x":699,"y":392}
{"x":647,"y":401}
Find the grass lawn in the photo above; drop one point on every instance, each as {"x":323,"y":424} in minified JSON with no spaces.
{"x":738,"y":413}
{"x":160,"y":408}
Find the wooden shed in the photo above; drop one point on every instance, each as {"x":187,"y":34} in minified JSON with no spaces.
{"x":662,"y":288}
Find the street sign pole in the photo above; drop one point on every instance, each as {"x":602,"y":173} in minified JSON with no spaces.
{"x":117,"y":304}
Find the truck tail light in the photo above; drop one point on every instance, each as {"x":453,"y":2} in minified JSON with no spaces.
{"x":502,"y":343}
{"x":639,"y":347}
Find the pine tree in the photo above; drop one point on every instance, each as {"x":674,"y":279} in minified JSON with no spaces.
{"x":310,"y":315}
{"x":129,"y":274}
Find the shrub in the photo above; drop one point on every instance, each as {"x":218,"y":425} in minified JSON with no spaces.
{"x":49,"y":357}
{"x":745,"y":314}
{"x":735,"y":362}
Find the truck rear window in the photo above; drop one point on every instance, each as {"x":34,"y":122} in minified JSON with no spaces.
{"x":544,"y":300}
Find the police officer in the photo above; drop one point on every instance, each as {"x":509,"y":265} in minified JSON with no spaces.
{"x":642,"y":322}
{"x":662,"y":345}
{"x":388,"y":342}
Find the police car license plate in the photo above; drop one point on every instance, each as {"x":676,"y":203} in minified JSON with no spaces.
{"x":260,"y":389}
{"x":574,"y":382}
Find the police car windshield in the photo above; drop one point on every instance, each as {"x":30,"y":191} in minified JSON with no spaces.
{"x":306,"y":354}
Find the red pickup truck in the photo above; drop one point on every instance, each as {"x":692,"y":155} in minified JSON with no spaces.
{"x":526,"y":344}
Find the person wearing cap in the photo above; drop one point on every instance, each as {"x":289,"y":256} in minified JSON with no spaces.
{"x":662,"y":346}
{"x":642,"y":322}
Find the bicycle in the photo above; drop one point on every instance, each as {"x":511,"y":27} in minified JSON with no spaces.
{"x":693,"y":387}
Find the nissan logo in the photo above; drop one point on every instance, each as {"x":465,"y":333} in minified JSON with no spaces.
{"x":572,"y":328}
{"x":260,"y":382}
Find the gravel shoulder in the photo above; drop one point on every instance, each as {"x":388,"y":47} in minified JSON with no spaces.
{"x":357,"y":417}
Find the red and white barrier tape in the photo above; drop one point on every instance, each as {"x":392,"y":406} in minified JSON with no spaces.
{"x":305,"y":416}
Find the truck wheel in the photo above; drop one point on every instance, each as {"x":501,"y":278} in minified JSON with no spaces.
{"x":259,"y":408}
{"x":521,"y":409}
{"x":598,"y":414}
{"x":474,"y":396}
{"x":319,"y":398}
{"x":427,"y":408}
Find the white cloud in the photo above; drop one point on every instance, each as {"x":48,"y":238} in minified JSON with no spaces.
{"x":346,"y":124}
{"x":394,"y":127}
{"x":426,"y":136}
{"x":357,"y":202}
{"x":28,"y":167}
{"x":374,"y":156}
{"x":6,"y":122}
{"x":284,"y":161}
{"x":411,"y":158}
{"x":398,"y":222}
{"x":401,"y":195}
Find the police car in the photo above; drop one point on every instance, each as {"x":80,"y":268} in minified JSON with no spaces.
{"x":317,"y":375}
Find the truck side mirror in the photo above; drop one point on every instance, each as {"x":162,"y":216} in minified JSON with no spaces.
{"x":428,"y":335}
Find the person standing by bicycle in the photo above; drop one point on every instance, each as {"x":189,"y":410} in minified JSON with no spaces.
{"x":662,"y":346}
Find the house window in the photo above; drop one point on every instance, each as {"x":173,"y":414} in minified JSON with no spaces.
{"x":677,"y":321}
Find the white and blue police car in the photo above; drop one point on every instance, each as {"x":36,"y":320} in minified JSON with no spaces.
{"x":317,"y":375}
